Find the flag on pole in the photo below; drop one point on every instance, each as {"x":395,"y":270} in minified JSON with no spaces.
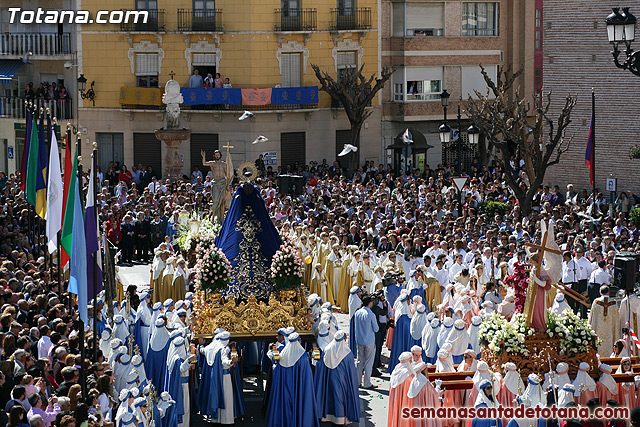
{"x":634,"y":338}
{"x":68,"y":166}
{"x":25,"y":153}
{"x":41,"y":174}
{"x":91,"y":234}
{"x":54,"y":196}
{"x":78,"y":254}
{"x":32,"y":164}
{"x":69,"y":216}
{"x":590,"y":155}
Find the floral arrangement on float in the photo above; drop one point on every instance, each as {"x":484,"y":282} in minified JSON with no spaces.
{"x":197,"y":231}
{"x":287,"y":269}
{"x":212,"y":268}
{"x":502,"y":336}
{"x":575,"y":334}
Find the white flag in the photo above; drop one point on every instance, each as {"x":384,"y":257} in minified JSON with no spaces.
{"x":54,"y":196}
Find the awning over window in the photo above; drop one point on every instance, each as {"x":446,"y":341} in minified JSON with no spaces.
{"x":8,"y":69}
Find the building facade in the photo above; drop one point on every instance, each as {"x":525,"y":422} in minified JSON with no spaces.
{"x":438,"y":45}
{"x":617,"y":96}
{"x":258,"y":45}
{"x":36,"y":62}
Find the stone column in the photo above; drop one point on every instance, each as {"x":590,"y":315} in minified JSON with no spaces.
{"x":172,"y":163}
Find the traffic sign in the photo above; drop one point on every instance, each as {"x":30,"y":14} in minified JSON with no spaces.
{"x":460,"y":182}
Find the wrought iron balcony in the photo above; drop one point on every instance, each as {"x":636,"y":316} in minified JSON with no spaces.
{"x":149,"y":20}
{"x":296,"y":19}
{"x":350,"y":19}
{"x":200,"y":20}
{"x":14,"y":107}
{"x":39,"y":44}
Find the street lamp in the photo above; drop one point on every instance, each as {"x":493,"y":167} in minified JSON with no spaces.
{"x":90,"y":94}
{"x":621,"y":28}
{"x":474,"y":135}
{"x":445,"y":129}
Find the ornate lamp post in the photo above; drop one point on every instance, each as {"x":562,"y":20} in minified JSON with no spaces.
{"x":621,"y":28}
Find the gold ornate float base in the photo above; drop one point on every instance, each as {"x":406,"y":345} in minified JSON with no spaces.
{"x":253,"y":319}
{"x":541,"y":350}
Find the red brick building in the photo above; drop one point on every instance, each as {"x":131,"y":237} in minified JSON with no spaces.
{"x":577,"y":58}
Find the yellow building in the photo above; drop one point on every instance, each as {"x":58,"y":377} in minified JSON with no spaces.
{"x":256,"y":44}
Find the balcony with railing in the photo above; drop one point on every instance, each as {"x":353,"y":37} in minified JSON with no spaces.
{"x":350,"y":19}
{"x":39,"y":44}
{"x":231,"y":99}
{"x":14,"y":107}
{"x":200,"y":20}
{"x":152,"y":21}
{"x":296,"y":19}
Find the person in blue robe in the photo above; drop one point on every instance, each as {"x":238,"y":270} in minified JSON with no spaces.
{"x":292,"y":402}
{"x":486,"y":399}
{"x":248,"y":229}
{"x":402,"y":340}
{"x":178,"y":380}
{"x":280,"y":344}
{"x":238,"y":395}
{"x":156,"y":363}
{"x":168,"y":417}
{"x":336,"y":384}
{"x":211,"y":399}
{"x":142,"y":324}
{"x":354,"y":304}
{"x":414,"y":284}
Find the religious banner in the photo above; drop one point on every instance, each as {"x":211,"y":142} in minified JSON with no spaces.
{"x":140,"y":96}
{"x":210,"y":96}
{"x":294,"y":95}
{"x":256,"y":96}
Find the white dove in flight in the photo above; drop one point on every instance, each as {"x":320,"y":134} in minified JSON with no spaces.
{"x":260,"y":138}
{"x":246,"y":115}
{"x":348,"y":148}
{"x":406,"y":137}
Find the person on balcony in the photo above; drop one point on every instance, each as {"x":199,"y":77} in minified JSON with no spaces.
{"x":195,"y":81}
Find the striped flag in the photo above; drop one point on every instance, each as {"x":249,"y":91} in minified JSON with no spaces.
{"x":634,"y":338}
{"x":590,"y":155}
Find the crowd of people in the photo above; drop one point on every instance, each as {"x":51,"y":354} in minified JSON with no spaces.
{"x":415,"y":272}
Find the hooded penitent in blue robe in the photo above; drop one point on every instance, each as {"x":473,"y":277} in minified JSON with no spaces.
{"x":486,"y":422}
{"x":238,"y":395}
{"x":249,"y":240}
{"x":174,"y":385}
{"x":391,"y":293}
{"x":292,"y":401}
{"x":402,"y":340}
{"x":210,"y":398}
{"x":155,"y":364}
{"x":336,"y":383}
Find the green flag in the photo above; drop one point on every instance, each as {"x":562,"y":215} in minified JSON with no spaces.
{"x":67,"y":225}
{"x":32,"y":165}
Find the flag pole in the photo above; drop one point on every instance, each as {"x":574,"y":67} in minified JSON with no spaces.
{"x":593,"y":145}
{"x":94,"y":259}
{"x":83,"y":373}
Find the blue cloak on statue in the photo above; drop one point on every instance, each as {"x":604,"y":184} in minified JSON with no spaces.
{"x":402,"y":340}
{"x":291,"y":400}
{"x":337,"y":390}
{"x":249,"y":240}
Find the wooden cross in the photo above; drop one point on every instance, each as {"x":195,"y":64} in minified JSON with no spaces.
{"x":228,"y":146}
{"x":606,"y":305}
{"x":172,"y":74}
{"x":541,"y":250}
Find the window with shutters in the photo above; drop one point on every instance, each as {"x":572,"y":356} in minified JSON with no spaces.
{"x":479,"y":19}
{"x":398,"y":85}
{"x":423,"y":83}
{"x":345,"y":61}
{"x":398,"y":19}
{"x":290,"y":69}
{"x":147,"y":69}
{"x":473,"y":80}
{"x":425,"y":19}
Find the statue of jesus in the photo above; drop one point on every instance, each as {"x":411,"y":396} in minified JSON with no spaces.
{"x":220,"y":186}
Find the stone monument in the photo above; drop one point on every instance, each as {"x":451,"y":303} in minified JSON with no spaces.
{"x":172,"y":135}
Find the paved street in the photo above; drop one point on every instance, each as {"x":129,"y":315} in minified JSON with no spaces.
{"x":373,"y":403}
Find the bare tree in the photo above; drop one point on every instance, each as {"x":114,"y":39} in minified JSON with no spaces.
{"x":519,"y":130}
{"x":355,"y":92}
